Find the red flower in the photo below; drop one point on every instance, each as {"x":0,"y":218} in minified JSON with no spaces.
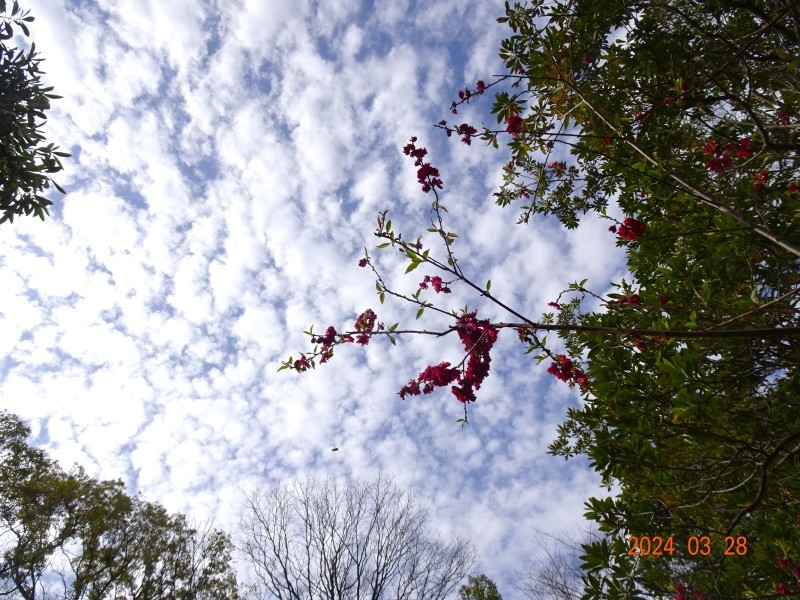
{"x":437,"y":284}
{"x":411,"y":389}
{"x":783,"y":117}
{"x":784,"y":562}
{"x":301,"y":364}
{"x":564,"y":370}
{"x":481,"y":86}
{"x":632,"y":300}
{"x":438,"y":376}
{"x":760,"y":179}
{"x":362,"y":262}
{"x":466,"y":132}
{"x":664,"y":298}
{"x":699,"y":595}
{"x":513,"y":124}
{"x":796,"y":571}
{"x":631,"y":229}
{"x":558,"y":167}
{"x":793,"y":187}
{"x":428,"y":176}
{"x":744,"y":148}
{"x":781,"y":589}
{"x":366,"y":320}
{"x":555,"y":305}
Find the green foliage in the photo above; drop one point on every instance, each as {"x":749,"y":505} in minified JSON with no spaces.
{"x":99,"y":542}
{"x":694,"y":133}
{"x":479,"y":588}
{"x":25,"y":161}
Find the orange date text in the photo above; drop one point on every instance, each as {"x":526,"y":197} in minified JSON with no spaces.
{"x":656,"y":545}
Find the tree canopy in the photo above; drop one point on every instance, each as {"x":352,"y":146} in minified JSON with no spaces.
{"x":479,"y":587}
{"x":694,"y":135}
{"x":66,"y":535}
{"x":26,"y":163}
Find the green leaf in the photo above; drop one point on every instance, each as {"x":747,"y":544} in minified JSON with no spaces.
{"x":383,"y":245}
{"x":419,"y":312}
{"x":391,"y":339}
{"x":488,"y":285}
{"x":412,"y":266}
{"x":388,"y":226}
{"x":382,"y":297}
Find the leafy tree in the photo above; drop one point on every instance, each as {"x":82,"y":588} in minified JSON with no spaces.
{"x":68,"y":536}
{"x":25,"y":162}
{"x":685,"y":115}
{"x":322,"y":539}
{"x":479,"y":588}
{"x":695,"y":134}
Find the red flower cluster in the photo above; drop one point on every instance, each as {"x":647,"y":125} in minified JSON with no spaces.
{"x":365,"y":323}
{"x":759,"y":179}
{"x":680,"y":588}
{"x":558,"y":167}
{"x":438,"y":376}
{"x":466,"y":93}
{"x":631,"y":229}
{"x":513,"y":124}
{"x":722,"y":155}
{"x":436,"y":282}
{"x":362,"y":263}
{"x":301,"y":364}
{"x":783,"y":117}
{"x":327,"y":341}
{"x":478,"y":338}
{"x":555,"y":305}
{"x":784,"y":562}
{"x":632,"y":300}
{"x":465,"y":130}
{"x":427,"y":175}
{"x":564,"y":369}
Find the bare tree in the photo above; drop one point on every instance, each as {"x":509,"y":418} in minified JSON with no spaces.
{"x":362,"y":540}
{"x":555,"y":573}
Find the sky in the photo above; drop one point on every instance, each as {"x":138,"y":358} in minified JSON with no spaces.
{"x":229,"y":161}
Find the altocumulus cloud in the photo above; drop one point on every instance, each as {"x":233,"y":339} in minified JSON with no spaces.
{"x":229,"y":161}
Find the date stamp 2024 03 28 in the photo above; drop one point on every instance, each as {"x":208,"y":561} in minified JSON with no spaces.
{"x":655,"y":545}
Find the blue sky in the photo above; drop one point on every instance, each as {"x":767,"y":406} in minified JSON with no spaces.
{"x":229,"y":162}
